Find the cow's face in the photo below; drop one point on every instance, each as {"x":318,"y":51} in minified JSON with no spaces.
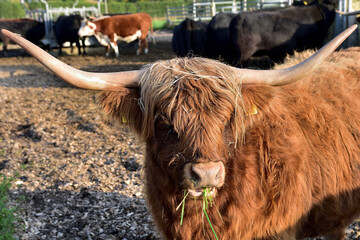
{"x":187,"y":111}
{"x":192,"y":134}
{"x":87,"y":28}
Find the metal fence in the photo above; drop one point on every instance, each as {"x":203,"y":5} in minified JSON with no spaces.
{"x":345,"y":18}
{"x":50,"y":15}
{"x":206,"y":10}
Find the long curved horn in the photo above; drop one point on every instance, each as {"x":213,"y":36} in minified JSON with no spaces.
{"x":295,"y":73}
{"x":78,"y":78}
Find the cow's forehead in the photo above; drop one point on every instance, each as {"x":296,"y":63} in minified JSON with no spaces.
{"x":185,"y":87}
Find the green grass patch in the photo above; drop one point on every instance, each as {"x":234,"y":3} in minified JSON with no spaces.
{"x":161,"y":25}
{"x":7,"y":217}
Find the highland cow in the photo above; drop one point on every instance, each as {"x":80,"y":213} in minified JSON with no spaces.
{"x":278,"y":151}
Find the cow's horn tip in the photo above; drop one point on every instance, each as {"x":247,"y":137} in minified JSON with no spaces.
{"x":354,"y":26}
{"x":4,"y":31}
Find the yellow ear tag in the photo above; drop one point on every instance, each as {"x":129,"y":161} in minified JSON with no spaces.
{"x":123,"y":119}
{"x":305,"y":3}
{"x":253,"y":111}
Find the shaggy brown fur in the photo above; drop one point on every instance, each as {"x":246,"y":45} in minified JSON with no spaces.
{"x":292,"y":168}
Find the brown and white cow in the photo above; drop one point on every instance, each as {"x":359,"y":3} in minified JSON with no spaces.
{"x":127,"y":28}
{"x":279,"y":150}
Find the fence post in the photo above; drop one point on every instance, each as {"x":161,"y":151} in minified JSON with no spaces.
{"x":168,"y":15}
{"x":183,"y":11}
{"x":352,"y":40}
{"x":213,"y":8}
{"x":233,"y":6}
{"x":194,"y":9}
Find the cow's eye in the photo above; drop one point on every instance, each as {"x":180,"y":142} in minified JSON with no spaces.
{"x":164,"y":128}
{"x":161,"y":119}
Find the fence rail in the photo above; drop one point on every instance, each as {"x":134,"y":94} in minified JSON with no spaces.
{"x":206,"y":10}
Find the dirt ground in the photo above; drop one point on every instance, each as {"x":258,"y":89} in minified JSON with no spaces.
{"x":78,"y":176}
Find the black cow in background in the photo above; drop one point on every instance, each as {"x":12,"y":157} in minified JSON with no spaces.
{"x":30,"y":29}
{"x":281,"y":32}
{"x":219,"y":45}
{"x":210,"y":40}
{"x":66,"y":30}
{"x":189,"y":37}
{"x":204,"y":39}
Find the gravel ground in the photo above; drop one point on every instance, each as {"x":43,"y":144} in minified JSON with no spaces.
{"x":78,"y":176}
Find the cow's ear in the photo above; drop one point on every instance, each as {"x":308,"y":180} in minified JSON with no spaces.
{"x":90,"y":18}
{"x":256,"y":100}
{"x":123,"y":107}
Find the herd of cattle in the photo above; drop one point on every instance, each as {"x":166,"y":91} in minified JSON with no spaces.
{"x":275,"y":32}
{"x":232,"y":38}
{"x":107,"y":30}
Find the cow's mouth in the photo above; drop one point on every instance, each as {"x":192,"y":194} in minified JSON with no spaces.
{"x":206,"y":192}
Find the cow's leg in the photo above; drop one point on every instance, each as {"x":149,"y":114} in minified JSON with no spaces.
{"x":151,"y":36}
{"x":146,"y":46}
{"x":78,"y":46}
{"x":107,"y":49}
{"x":72,"y":47}
{"x":138,"y":51}
{"x":113,"y":43}
{"x":83,"y":44}
{"x":115,"y":47}
{"x":5,"y":41}
{"x":60,"y":49}
{"x":143,"y":43}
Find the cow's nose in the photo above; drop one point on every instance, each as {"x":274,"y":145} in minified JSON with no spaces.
{"x":209,"y":174}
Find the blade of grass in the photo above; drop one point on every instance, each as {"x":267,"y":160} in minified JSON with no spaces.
{"x":207,"y":217}
{"x":202,"y":220}
{"x":183,"y":208}
{"x":205,"y":199}
{"x":210,"y":198}
{"x":197,"y":214}
{"x":217,"y":209}
{"x":177,"y":208}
